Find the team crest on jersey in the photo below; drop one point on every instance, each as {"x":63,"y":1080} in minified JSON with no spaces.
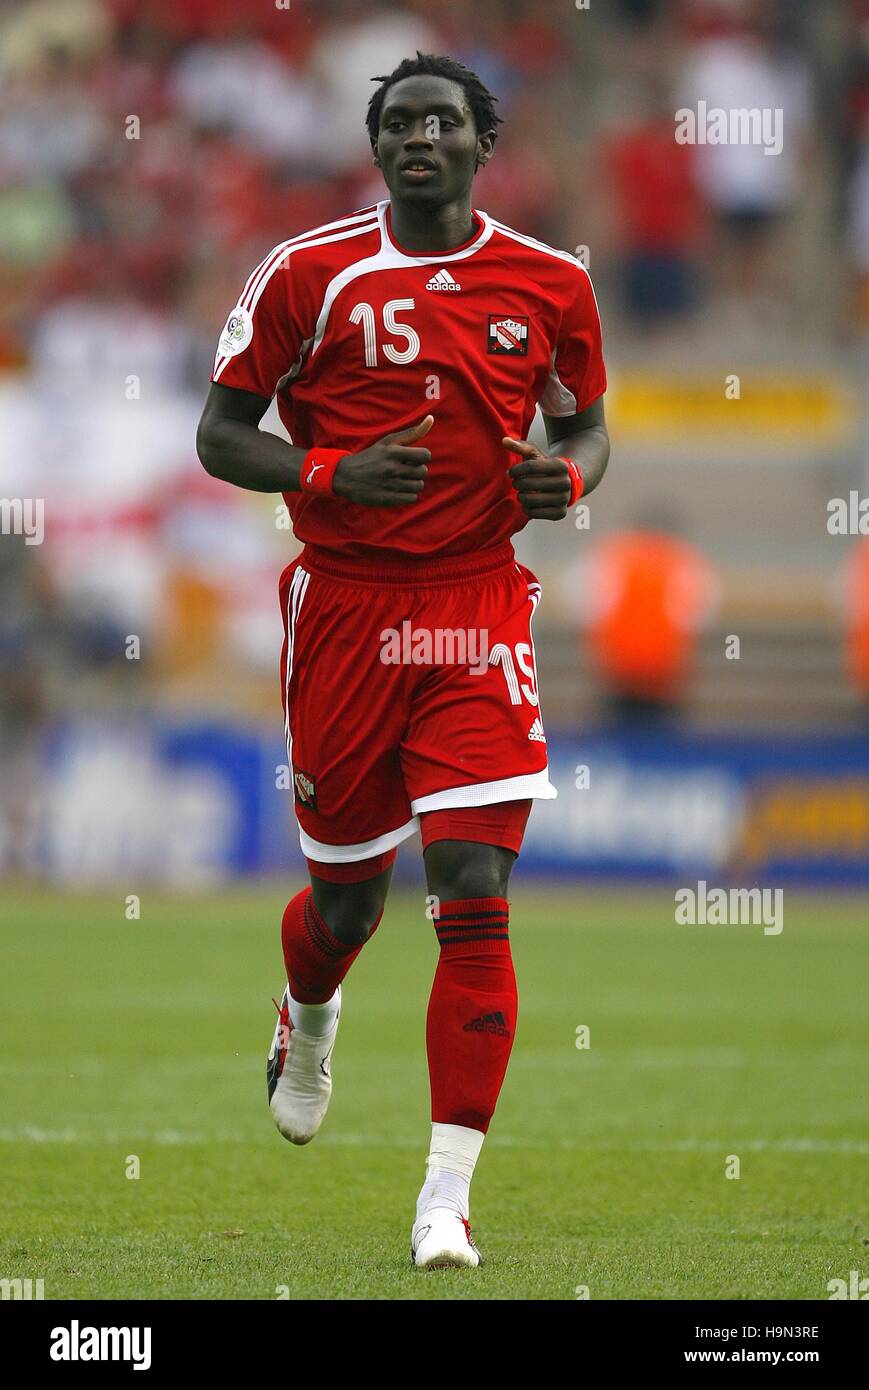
{"x":306,"y":790}
{"x":508,"y":335}
{"x":237,"y":333}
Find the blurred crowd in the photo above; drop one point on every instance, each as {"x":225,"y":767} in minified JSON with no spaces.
{"x":151,"y":151}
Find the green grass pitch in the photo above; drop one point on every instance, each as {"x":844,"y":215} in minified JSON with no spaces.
{"x":605,"y":1167}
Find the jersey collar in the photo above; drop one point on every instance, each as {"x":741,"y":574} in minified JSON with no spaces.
{"x":481,"y":235}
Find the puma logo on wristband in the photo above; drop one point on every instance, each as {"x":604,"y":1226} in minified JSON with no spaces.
{"x":318,"y":470}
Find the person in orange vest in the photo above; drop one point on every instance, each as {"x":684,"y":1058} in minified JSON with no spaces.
{"x":648,"y":595}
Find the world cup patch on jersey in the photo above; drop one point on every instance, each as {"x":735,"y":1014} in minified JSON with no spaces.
{"x":306,"y":790}
{"x":237,"y":333}
{"x":508,"y":335}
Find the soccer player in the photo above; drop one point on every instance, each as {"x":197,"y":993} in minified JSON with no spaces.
{"x":409,"y":345}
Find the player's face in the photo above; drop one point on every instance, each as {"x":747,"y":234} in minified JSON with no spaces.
{"x":428,"y":146}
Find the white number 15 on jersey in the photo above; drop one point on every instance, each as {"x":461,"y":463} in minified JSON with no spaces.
{"x":364,"y":314}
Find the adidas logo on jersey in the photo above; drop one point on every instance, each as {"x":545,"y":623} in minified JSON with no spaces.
{"x":442,"y":281}
{"x":536,"y":732}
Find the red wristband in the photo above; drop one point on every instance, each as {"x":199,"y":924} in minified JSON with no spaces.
{"x":318,"y":469}
{"x":575,"y":480}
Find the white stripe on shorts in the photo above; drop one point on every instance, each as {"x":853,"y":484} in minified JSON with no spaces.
{"x":351,"y":854}
{"x":295,"y":598}
{"x":529,"y":784}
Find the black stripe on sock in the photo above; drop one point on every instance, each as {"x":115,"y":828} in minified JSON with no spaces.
{"x":472,"y":936}
{"x":454,"y":924}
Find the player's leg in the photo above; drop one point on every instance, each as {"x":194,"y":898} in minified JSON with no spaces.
{"x":473,"y":756}
{"x":472,"y":1011}
{"x":324,"y":928}
{"x":344,"y":714}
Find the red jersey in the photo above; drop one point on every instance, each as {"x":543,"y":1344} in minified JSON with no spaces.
{"x":359,"y":337}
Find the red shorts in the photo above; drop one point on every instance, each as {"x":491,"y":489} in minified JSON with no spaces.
{"x":407,"y":689}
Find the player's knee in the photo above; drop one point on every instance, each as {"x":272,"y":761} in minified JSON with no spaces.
{"x":354,"y":929}
{"x":351,"y":911}
{"x":462,"y":869}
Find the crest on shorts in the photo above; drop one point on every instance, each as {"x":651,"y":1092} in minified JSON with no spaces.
{"x":305,"y":789}
{"x":508,"y":335}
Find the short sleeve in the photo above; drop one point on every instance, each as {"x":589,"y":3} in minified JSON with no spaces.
{"x":261,"y":340}
{"x":577,"y":375}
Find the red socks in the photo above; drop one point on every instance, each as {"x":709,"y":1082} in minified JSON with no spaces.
{"x":471,"y":1012}
{"x":316,"y":960}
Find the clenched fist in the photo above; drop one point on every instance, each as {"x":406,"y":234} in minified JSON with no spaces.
{"x":543,"y":484}
{"x":391,"y":473}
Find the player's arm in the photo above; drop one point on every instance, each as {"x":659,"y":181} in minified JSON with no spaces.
{"x":231,"y":446}
{"x":584,"y":439}
{"x":545,"y":484}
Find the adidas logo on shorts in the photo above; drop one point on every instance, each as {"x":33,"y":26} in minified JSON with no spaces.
{"x":536,"y":732}
{"x":442,"y":281}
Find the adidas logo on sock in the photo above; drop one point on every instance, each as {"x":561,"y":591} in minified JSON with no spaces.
{"x":536,"y":732}
{"x":488,"y":1023}
{"x":442,"y":281}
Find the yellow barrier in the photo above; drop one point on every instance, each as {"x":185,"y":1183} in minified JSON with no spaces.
{"x":800,"y":411}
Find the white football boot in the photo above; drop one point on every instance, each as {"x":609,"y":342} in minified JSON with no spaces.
{"x":442,"y":1239}
{"x":299,"y":1076}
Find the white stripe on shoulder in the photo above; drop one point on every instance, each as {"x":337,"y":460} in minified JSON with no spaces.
{"x":538,"y":245}
{"x":290,"y":250}
{"x":277,"y":260}
{"x":363,"y":215}
{"x":368,"y":215}
{"x":355,"y":219}
{"x":354,"y":226}
{"x":550,"y":250}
